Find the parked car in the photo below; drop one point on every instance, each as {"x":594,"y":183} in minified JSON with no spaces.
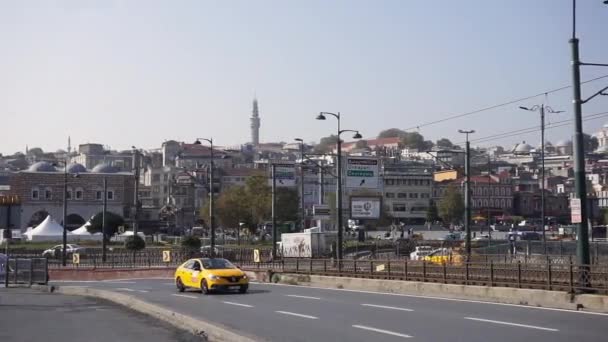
{"x":56,"y":251}
{"x":452,"y":237}
{"x":481,"y":237}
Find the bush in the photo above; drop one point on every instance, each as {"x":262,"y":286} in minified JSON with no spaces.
{"x":135,"y":243}
{"x":191,"y":243}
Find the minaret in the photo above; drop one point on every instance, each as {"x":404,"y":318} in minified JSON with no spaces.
{"x":255,"y":124}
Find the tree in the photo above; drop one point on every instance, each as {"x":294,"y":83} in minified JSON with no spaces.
{"x":287,"y":204}
{"x":590,"y":143}
{"x":431,"y":213}
{"x":191,"y":243}
{"x":113,"y":221}
{"x":444,"y":143}
{"x":414,"y":140}
{"x":451,"y":206}
{"x":134,"y":243}
{"x":258,"y":198}
{"x":392,"y":133}
{"x":361,"y":144}
{"x":326,"y":143}
{"x":233,"y":207}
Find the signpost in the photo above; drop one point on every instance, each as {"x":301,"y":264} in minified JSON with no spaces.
{"x":575,"y":210}
{"x":321,"y":212}
{"x":75,"y":258}
{"x":285,"y":175}
{"x":362,"y":173}
{"x":167,"y":256}
{"x":365,"y":207}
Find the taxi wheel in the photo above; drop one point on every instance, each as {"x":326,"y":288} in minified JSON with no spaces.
{"x":204,"y":287}
{"x":180,"y":285}
{"x":243,"y":288}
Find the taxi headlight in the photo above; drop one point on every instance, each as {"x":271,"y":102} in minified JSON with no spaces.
{"x":214,"y":277}
{"x":244,"y":276}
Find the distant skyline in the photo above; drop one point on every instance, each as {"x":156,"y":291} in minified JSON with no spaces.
{"x":125,"y":73}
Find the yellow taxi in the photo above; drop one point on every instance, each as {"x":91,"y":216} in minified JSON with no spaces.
{"x":443,"y":256}
{"x":209,"y":274}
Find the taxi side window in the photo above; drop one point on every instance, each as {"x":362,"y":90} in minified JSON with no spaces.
{"x":196,"y":266}
{"x":189,"y":265}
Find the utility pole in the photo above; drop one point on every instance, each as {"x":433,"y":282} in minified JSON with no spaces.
{"x":274,"y":212}
{"x":467,"y":194}
{"x":136,"y":165}
{"x":489,"y":199}
{"x":302,"y":215}
{"x":103,"y":220}
{"x":211,"y":191}
{"x":65,"y":214}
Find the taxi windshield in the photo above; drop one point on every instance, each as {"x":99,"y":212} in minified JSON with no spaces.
{"x":216,"y":264}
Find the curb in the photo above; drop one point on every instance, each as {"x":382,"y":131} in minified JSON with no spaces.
{"x":194,"y":326}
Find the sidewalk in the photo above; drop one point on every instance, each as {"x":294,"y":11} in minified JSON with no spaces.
{"x":29,"y":315}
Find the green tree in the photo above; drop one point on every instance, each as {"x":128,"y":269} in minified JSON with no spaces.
{"x":392,"y":133}
{"x":191,"y":243}
{"x":287,"y":204}
{"x":361,"y":144}
{"x":431,"y":213}
{"x":451,"y":206}
{"x":134,"y":243}
{"x":113,"y":221}
{"x":590,"y":143}
{"x":444,"y":143}
{"x":325,"y":144}
{"x":233,"y":207}
{"x":258,"y":198}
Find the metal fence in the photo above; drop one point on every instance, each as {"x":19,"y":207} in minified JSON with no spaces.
{"x":565,"y":277}
{"x":24,"y":271}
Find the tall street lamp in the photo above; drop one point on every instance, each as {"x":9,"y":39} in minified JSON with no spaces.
{"x":302,"y":217}
{"x":467,"y":193}
{"x":582,"y":246}
{"x":542,"y":109}
{"x":357,"y":135}
{"x":211,"y":211}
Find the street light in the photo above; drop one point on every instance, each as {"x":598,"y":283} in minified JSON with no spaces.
{"x":467,"y":193}
{"x":211,"y":211}
{"x":302,"y":218}
{"x":357,"y":135}
{"x":542,"y":108}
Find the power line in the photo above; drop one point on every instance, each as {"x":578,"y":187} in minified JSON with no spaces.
{"x":456,"y":116}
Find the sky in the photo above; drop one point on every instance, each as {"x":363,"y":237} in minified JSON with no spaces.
{"x":136,"y":73}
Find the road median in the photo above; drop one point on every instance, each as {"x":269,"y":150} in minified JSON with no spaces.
{"x":207,"y":331}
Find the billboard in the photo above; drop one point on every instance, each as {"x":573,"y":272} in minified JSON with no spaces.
{"x":285,"y":174}
{"x":365,"y":207}
{"x":362,"y":173}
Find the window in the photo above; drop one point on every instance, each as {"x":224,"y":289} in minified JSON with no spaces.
{"x":165,"y":189}
{"x":110,"y":195}
{"x":399,"y":207}
{"x":390,"y":195}
{"x":48,"y":194}
{"x":35,"y":193}
{"x":390,"y":182}
{"x":68,"y":194}
{"x":485,"y":203}
{"x":156,"y":178}
{"x":156,"y":189}
{"x":402,"y":195}
{"x":79,"y":193}
{"x":99,"y":195}
{"x":503,"y":203}
{"x":424,"y":195}
{"x":413,"y":195}
{"x":165,"y":177}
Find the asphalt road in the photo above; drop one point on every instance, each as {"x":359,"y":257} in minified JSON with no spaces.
{"x":298,"y":313}
{"x":29,"y":315}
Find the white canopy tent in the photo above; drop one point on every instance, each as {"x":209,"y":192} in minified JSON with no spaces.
{"x":82,"y":233}
{"x":48,"y":230}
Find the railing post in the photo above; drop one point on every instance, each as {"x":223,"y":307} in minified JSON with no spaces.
{"x":549,"y":275}
{"x":519,"y":274}
{"x":16,"y":270}
{"x":388,"y":266}
{"x":571,"y":271}
{"x":31,"y":271}
{"x":405,"y":269}
{"x":445,"y":273}
{"x":491,"y":273}
{"x":310,"y":270}
{"x":466,"y":273}
{"x":297,"y":265}
{"x":324,"y":265}
{"x":355,"y":265}
{"x":371,"y":268}
{"x":423,"y":270}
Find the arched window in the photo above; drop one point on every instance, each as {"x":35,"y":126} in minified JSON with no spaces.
{"x":69,"y":193}
{"x":48,"y":194}
{"x":79,"y":194}
{"x":485,"y":202}
{"x":35,"y":193}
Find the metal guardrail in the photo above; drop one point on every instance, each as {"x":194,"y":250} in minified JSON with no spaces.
{"x":24,"y":271}
{"x":564,"y":277}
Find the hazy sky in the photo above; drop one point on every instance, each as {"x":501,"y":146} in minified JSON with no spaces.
{"x":137,"y":73}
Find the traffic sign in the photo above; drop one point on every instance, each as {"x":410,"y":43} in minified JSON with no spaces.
{"x":285,"y":175}
{"x":166,"y":256}
{"x":256,"y":255}
{"x":76,"y":258}
{"x":365,"y":207}
{"x":575,"y":210}
{"x":321,"y":212}
{"x":362,"y":173}
{"x":380,"y":268}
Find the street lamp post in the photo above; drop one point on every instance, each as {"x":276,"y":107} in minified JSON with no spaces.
{"x":322,"y":116}
{"x":211,"y":207}
{"x":467,"y":193}
{"x":65,"y":215}
{"x":542,"y":109}
{"x":302,"y":216}
{"x":582,"y":246}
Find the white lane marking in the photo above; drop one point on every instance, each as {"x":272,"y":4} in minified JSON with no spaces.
{"x":125,"y":289}
{"x":142,"y":291}
{"x":172,"y":284}
{"x":118,"y":282}
{"x":509,"y":323}
{"x":185,"y":296}
{"x":382,"y":331}
{"x":387,"y":307}
{"x":238,"y":304}
{"x":305,"y":297}
{"x":296,"y":314}
{"x":438,"y":298}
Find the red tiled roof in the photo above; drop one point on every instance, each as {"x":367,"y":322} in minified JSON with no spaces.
{"x":242,"y":172}
{"x":374,"y":142}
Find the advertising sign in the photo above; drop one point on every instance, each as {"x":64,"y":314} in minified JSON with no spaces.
{"x":285,"y":175}
{"x":321,"y":212}
{"x":362,"y":173}
{"x":365,"y":207}
{"x":575,"y":210}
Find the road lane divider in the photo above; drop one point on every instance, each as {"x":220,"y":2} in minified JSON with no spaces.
{"x":387,"y":307}
{"x":510,"y":323}
{"x":238,"y":304}
{"x":296,"y":314}
{"x":125,"y":289}
{"x":381,"y":331}
{"x":184,"y":296}
{"x":305,"y":297}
